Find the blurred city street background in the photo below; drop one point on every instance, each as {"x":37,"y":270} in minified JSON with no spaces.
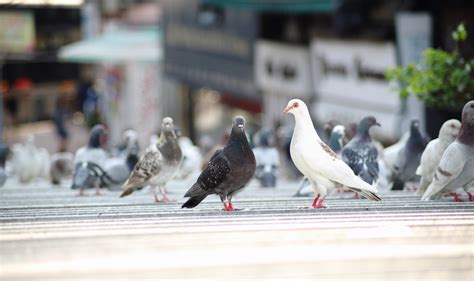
{"x":68,"y":65}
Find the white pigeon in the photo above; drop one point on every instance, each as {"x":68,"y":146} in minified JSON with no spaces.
{"x":319,"y":163}
{"x":192,"y":159}
{"x":392,"y":152}
{"x":29,"y":162}
{"x":456,"y":167}
{"x":433,"y":152}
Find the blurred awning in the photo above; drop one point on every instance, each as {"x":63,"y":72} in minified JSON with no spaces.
{"x":292,"y":6}
{"x":117,"y":46}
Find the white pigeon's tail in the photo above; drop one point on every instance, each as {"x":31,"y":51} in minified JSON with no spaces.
{"x":365,"y":189}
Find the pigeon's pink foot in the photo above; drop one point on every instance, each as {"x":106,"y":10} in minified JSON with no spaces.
{"x":457,"y":198}
{"x":317,"y":203}
{"x":81,"y":193}
{"x":229,"y":208}
{"x":471,"y":197}
{"x":356,"y":195}
{"x":97,"y":192}
{"x":165,"y":199}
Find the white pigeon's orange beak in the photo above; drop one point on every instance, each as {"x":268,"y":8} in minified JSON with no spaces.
{"x":288,"y":108}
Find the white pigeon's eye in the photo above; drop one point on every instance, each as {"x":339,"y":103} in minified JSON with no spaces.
{"x":295,"y":104}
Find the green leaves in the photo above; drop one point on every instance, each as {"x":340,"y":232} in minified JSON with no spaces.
{"x":460,"y":34}
{"x":441,"y":79}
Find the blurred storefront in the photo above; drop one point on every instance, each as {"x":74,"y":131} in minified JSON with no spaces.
{"x":30,"y":73}
{"x":348,"y":44}
{"x":209,"y":50}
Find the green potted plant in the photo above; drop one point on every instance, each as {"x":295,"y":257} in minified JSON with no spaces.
{"x":443,"y":80}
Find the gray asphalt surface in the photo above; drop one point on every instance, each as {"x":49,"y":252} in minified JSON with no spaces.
{"x":49,"y":233}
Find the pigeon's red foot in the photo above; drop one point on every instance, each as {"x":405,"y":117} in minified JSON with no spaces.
{"x":356,"y":195}
{"x":229,"y":208}
{"x":317,"y":203}
{"x":471,"y":197}
{"x":457,"y":198}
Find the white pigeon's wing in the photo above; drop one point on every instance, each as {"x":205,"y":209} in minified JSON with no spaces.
{"x":334,"y":169}
{"x":449,"y":168}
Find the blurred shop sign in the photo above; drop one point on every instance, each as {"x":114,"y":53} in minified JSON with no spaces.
{"x":283,"y":69}
{"x":349,"y":82}
{"x":17,"y":32}
{"x":210,"y":46}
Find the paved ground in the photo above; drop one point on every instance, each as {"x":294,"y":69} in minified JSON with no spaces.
{"x":48,"y":233}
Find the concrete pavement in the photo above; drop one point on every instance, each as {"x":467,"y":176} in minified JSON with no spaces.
{"x":49,"y":233}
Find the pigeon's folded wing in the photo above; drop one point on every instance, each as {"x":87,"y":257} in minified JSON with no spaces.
{"x":336,"y":170}
{"x":148,"y":166}
{"x":372,"y":163}
{"x":449,"y":168}
{"x":215,"y":173}
{"x":353,"y":160}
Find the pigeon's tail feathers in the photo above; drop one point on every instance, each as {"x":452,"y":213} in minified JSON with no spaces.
{"x":424,"y":183}
{"x":370,"y":195}
{"x":80,"y":177}
{"x":366,"y":193}
{"x":194,"y":201}
{"x":195,"y":190}
{"x":418,"y":171}
{"x":360,"y":184}
{"x":133,"y":183}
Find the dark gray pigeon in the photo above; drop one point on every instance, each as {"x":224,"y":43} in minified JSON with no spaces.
{"x":408,"y":158}
{"x":4,"y":152}
{"x":456,"y":168}
{"x":158,"y":165}
{"x":360,"y":154}
{"x":89,"y":161}
{"x":228,"y":171}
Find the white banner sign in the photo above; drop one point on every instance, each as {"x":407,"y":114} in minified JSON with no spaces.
{"x":283,"y":69}
{"x":349,"y":82}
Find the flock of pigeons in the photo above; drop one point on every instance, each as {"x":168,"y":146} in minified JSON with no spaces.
{"x":360,"y":165}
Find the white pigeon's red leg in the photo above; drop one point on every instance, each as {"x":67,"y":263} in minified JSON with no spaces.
{"x":356,"y":195}
{"x":81,"y":192}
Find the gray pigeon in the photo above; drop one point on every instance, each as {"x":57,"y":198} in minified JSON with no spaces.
{"x":456,"y":168}
{"x":89,"y":161}
{"x":433,"y":152}
{"x":408,"y":158}
{"x":4,"y":152}
{"x":228,"y":171}
{"x":118,"y":168}
{"x":360,"y":154}
{"x":158,"y":165}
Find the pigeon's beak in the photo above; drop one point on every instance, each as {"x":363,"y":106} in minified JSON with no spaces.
{"x":288,"y":108}
{"x":241,"y":126}
{"x":377,"y":124}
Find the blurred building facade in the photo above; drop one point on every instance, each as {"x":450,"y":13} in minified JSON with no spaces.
{"x":332,"y":54}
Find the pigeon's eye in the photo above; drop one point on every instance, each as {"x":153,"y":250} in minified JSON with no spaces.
{"x":295,"y":104}
{"x":452,"y":126}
